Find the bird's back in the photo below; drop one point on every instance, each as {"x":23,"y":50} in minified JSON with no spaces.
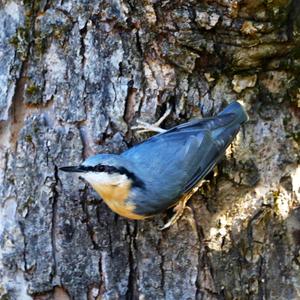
{"x":173,"y":162}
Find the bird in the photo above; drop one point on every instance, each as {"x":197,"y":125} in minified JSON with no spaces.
{"x":165,"y":170}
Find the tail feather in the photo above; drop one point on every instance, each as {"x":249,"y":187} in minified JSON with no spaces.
{"x":236,"y":115}
{"x":238,"y":110}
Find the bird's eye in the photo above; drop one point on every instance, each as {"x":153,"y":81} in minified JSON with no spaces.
{"x":99,"y":168}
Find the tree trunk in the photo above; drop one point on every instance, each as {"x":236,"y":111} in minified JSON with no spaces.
{"x":76,"y":75}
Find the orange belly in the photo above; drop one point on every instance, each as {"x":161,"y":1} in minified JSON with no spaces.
{"x":123,"y":210}
{"x":115,"y":197}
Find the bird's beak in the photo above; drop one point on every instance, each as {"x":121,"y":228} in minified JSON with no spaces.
{"x":74,"y":169}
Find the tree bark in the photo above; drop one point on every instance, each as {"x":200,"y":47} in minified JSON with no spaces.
{"x":76,"y":75}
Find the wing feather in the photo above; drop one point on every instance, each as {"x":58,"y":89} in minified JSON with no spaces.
{"x":173,"y":162}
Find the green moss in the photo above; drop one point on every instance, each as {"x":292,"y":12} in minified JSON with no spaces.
{"x":296,"y":137}
{"x":32,"y":90}
{"x":32,"y":7}
{"x":14,"y":41}
{"x":28,"y":138}
{"x":292,"y":131}
{"x":276,"y":195}
{"x":23,"y":35}
{"x":21,"y":41}
{"x":36,"y":130}
{"x":40,"y":45}
{"x":26,"y":205}
{"x":278,"y":10}
{"x":60,"y":31}
{"x":286,"y":121}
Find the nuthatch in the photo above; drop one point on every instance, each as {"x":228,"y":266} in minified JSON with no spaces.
{"x":165,"y":170}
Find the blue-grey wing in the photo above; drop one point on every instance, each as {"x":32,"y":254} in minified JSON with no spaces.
{"x":173,"y":162}
{"x":166,"y":166}
{"x":169,"y":167}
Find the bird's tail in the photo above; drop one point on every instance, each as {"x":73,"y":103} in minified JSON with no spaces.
{"x":230,"y":119}
{"x":238,"y":110}
{"x":221,"y":129}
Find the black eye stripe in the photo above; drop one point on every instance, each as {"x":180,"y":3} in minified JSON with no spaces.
{"x":119,"y":170}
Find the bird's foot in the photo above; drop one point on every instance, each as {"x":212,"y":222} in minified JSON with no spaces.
{"x":146,"y":127}
{"x":179,"y":208}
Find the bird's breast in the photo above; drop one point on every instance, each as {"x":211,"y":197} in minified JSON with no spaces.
{"x":115,"y":196}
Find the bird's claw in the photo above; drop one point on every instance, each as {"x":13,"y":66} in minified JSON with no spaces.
{"x":181,"y":206}
{"x":179,"y":210}
{"x":174,"y":219}
{"x":146,"y":127}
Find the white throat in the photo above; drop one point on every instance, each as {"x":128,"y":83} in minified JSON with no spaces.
{"x":105,"y":178}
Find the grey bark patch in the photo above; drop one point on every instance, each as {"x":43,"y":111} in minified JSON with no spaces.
{"x":11,"y":17}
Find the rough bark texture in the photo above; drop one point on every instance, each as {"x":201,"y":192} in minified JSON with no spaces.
{"x":76,"y":75}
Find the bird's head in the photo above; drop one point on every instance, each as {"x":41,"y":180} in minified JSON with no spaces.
{"x":113,"y":178}
{"x":105,"y":169}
